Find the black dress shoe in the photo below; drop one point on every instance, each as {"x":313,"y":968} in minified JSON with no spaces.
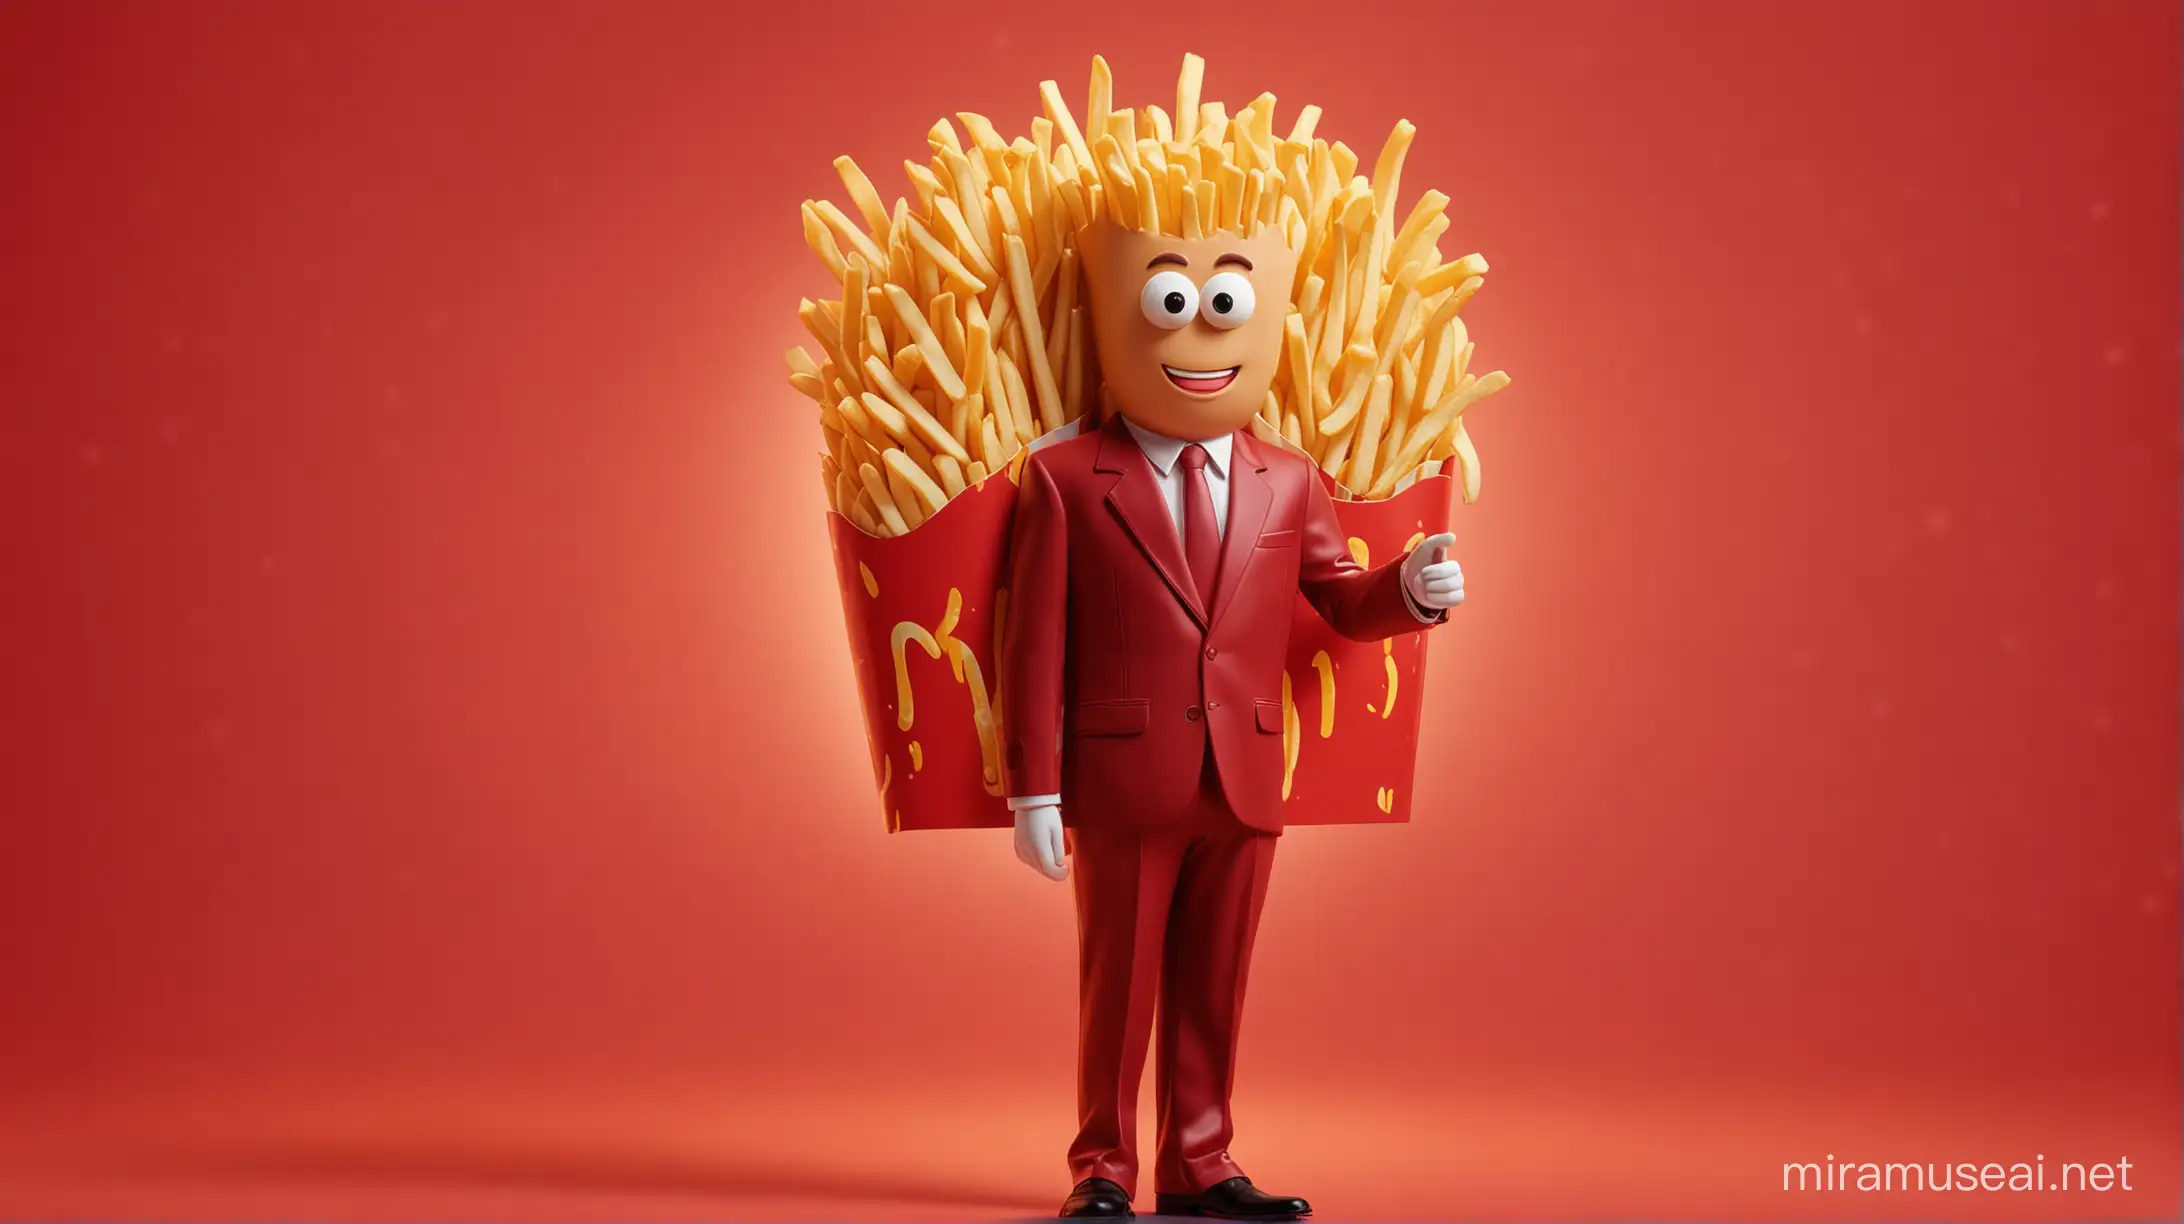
{"x":1234,"y":1199}
{"x":1097,"y":1196}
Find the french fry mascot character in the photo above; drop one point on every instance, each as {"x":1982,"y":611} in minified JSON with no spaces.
{"x":1080,"y":324}
{"x":1153,"y":566}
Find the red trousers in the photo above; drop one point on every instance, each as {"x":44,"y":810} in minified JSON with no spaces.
{"x":1166,"y":911}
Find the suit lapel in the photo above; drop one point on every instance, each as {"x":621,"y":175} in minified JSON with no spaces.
{"x":1138,"y":503}
{"x":1250,"y":497}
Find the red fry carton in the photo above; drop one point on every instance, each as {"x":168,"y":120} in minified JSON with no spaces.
{"x":921,"y":609}
{"x":1350,"y":709}
{"x":925,"y":612}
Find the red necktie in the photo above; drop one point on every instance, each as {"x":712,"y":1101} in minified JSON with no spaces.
{"x":1201,"y":531}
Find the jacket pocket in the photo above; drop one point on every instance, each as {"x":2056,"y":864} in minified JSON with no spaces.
{"x":1123,"y":716}
{"x":1269,"y":714}
{"x":1278,"y":539}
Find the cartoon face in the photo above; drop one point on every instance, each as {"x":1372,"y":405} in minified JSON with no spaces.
{"x":1188,"y":330}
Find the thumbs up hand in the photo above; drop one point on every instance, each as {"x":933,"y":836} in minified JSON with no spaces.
{"x":1431,"y":577}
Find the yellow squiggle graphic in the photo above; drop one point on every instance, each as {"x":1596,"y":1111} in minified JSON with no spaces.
{"x":917,"y":756}
{"x":983,"y":720}
{"x":985,"y":704}
{"x":1326,"y":668}
{"x":1387,"y":656}
{"x":871,"y":584}
{"x":944,"y":632}
{"x":1362,"y":551}
{"x":1385,"y":798}
{"x":906,"y":711}
{"x":1417,"y":538}
{"x":1290,"y":736}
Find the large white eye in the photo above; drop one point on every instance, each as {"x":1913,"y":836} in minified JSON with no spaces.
{"x":1228,"y":299}
{"x":1169,"y":300}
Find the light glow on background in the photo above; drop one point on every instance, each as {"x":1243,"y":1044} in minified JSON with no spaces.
{"x":440,"y":786}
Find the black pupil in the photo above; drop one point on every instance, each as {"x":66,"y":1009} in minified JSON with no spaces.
{"x":1223,"y":303}
{"x":1174,"y":303}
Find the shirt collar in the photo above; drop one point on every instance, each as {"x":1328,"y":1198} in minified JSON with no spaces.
{"x":1163,"y":450}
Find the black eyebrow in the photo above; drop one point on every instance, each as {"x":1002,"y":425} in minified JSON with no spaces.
{"x":1168,"y":257}
{"x":1233,"y":257}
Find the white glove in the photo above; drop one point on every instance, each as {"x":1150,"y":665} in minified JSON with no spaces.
{"x":1432,"y":579}
{"x":1039,"y":841}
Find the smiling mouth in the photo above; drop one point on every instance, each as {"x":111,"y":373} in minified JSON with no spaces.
{"x":1201,"y":382}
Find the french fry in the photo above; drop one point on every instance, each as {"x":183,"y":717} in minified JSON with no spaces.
{"x":1120,"y":184}
{"x":983,"y":136}
{"x":1065,"y":299}
{"x":971,"y":414}
{"x":1332,"y":333}
{"x":942,"y":258}
{"x":947,"y":323}
{"x":969,"y":241}
{"x":1425,"y":223}
{"x":928,"y":345}
{"x":1467,"y":458}
{"x":1391,"y":441}
{"x":1365,"y":450}
{"x":1212,"y":124}
{"x":1406,"y":395}
{"x":1121,"y":127}
{"x":907,"y":364}
{"x":899,"y":490}
{"x":1452,"y":274}
{"x":910,"y":416}
{"x":1357,"y":368}
{"x":1387,"y":341}
{"x":951,"y":477}
{"x":1345,"y":159}
{"x":1307,"y":120}
{"x":1365,"y":290}
{"x":1163,"y":129}
{"x":929,"y":495}
{"x":1187,"y":86}
{"x":860,"y":513}
{"x":862,"y":194}
{"x":999,"y":412}
{"x":977,"y":345}
{"x":844,"y":490}
{"x":1042,"y":375}
{"x":1058,"y":113}
{"x":888,"y":419}
{"x":1027,"y":427}
{"x":821,"y":241}
{"x":845,"y":231}
{"x":1102,"y":94}
{"x":883,"y":502}
{"x":919,"y":453}
{"x":1441,"y":422}
{"x":1073,"y":375}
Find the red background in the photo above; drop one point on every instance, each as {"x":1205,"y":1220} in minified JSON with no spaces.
{"x":436,"y":783}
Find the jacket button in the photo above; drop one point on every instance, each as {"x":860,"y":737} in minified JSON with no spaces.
{"x":1210,"y":652}
{"x":1194,"y":714}
{"x":1213,"y":705}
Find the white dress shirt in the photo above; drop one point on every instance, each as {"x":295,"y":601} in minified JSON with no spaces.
{"x":1163,"y":452}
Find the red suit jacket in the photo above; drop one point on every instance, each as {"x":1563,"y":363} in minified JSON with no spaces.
{"x":1114,"y":676}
